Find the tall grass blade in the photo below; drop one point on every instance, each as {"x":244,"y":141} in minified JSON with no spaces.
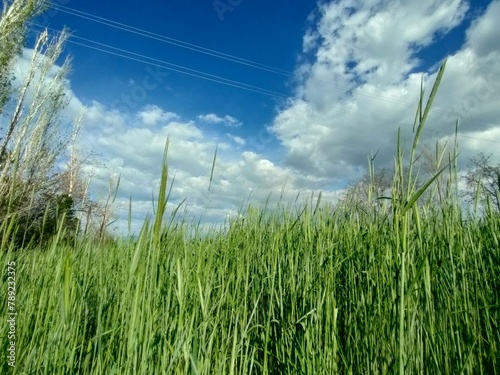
{"x":162,"y":198}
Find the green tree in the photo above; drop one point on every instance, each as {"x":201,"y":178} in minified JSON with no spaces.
{"x":33,"y":138}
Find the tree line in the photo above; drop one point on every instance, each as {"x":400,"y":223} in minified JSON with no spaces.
{"x":38,"y":197}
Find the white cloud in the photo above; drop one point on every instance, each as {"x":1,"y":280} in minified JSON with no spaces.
{"x":96,"y":114}
{"x":238,"y":140}
{"x":227,"y":120}
{"x":482,"y":37}
{"x":360,"y":82}
{"x":378,"y":36}
{"x":135,"y":153}
{"x":152,"y":115}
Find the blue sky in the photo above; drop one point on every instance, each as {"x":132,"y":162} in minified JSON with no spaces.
{"x":339,"y":79}
{"x":266,"y":33}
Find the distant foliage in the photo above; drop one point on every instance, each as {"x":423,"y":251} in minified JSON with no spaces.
{"x":483,"y":182}
{"x":37,"y":222}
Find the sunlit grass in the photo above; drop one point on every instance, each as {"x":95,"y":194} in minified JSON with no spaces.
{"x":313,"y":290}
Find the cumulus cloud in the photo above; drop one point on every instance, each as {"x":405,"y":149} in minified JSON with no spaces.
{"x":135,"y":153}
{"x":227,"y":120}
{"x":152,"y":115}
{"x":238,"y":140}
{"x":360,"y":77}
{"x":482,"y":36}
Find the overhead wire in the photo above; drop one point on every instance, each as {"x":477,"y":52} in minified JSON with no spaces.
{"x":169,"y":66}
{"x":178,"y":68}
{"x":197,"y":48}
{"x":221,"y":55}
{"x":170,"y":40}
{"x":477,"y":139}
{"x":188,"y":71}
{"x":196,"y":73}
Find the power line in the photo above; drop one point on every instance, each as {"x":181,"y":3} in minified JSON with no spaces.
{"x":173,"y":67}
{"x":478,"y":139}
{"x":221,"y":55}
{"x":191,"y":72}
{"x":199,"y":74}
{"x":202,"y":75}
{"x":169,"y":40}
{"x":200,"y":49}
{"x":208,"y":77}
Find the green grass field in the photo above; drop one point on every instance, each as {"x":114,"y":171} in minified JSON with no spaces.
{"x":319,"y":294}
{"x":411,"y":289}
